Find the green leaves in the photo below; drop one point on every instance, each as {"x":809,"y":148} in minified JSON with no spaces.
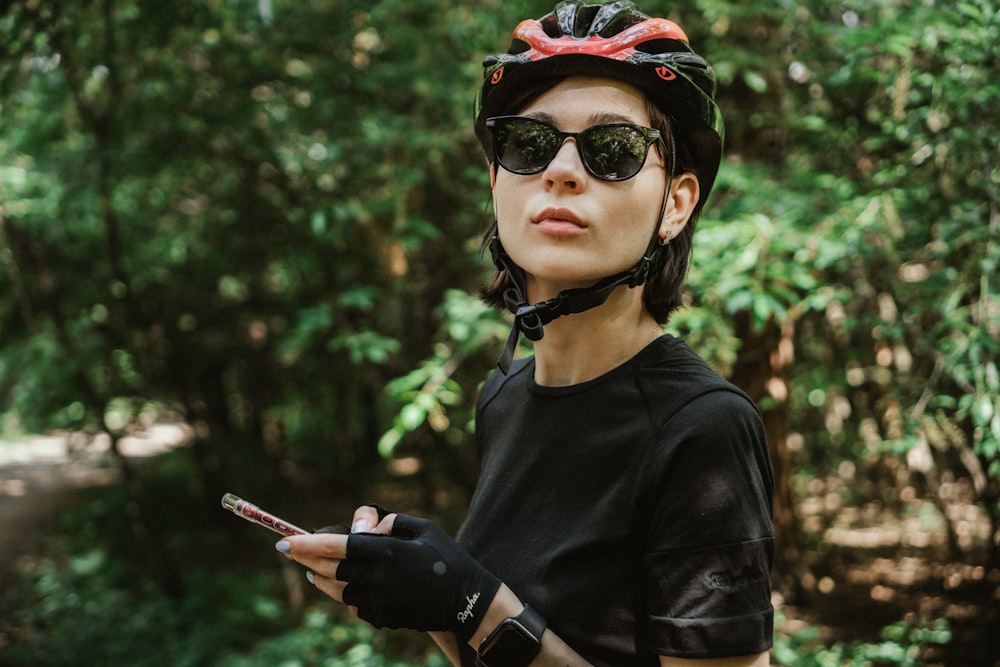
{"x":240,"y":217}
{"x":269,"y":221}
{"x":430,"y":394}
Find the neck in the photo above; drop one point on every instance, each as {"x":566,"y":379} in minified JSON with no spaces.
{"x":581,"y":347}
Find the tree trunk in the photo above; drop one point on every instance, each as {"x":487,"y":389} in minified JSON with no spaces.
{"x":761,"y":371}
{"x":159,"y":561}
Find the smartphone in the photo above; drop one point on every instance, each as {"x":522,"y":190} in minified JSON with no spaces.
{"x":256,"y":515}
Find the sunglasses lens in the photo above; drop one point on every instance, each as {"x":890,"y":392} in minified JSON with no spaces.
{"x":613,"y":152}
{"x":525,"y":146}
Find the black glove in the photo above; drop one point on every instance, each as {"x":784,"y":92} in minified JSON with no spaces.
{"x":417,"y":578}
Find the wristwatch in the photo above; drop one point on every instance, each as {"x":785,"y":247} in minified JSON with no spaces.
{"x":513,"y":643}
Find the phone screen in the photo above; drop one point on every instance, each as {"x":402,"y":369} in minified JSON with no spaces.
{"x":256,"y":515}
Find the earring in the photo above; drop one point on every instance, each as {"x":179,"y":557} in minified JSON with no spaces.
{"x":665,"y":239}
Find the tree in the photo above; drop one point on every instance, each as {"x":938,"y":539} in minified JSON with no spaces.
{"x":265,"y":219}
{"x":236,"y":216}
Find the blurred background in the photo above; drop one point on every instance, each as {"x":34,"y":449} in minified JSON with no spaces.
{"x":239,"y":251}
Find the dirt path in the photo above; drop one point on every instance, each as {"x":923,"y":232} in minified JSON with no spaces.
{"x":41,"y":477}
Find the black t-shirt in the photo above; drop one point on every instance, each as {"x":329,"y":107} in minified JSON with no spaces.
{"x":633,"y":511}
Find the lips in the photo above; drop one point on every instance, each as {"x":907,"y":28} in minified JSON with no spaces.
{"x":558,"y":217}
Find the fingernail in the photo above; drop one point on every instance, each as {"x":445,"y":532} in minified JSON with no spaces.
{"x":360,"y":526}
{"x":283,"y":546}
{"x":311,"y":577}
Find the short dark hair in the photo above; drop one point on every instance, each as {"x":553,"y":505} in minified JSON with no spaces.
{"x":669,"y":266}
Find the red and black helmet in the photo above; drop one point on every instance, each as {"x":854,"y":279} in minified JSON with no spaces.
{"x":618,"y":41}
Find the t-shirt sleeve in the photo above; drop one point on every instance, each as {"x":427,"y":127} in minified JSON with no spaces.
{"x":711,"y":540}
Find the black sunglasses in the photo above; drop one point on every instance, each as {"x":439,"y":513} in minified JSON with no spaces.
{"x":610,"y":151}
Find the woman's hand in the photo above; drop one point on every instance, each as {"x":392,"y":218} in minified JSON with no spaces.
{"x":326,"y":548}
{"x":406,"y":573}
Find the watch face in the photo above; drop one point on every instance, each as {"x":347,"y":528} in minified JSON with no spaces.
{"x":510,"y":645}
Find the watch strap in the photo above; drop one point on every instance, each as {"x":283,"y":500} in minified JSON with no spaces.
{"x":513,"y":643}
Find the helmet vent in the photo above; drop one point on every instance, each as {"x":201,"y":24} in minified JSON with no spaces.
{"x":620,"y":23}
{"x":518,"y":46}
{"x":575,"y":19}
{"x":582,"y":24}
{"x":552,"y":25}
{"x":655,"y":46}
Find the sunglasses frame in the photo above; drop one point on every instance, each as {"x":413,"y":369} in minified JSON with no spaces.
{"x":649,"y":134}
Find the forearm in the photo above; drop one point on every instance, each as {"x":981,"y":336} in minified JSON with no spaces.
{"x":448,"y":644}
{"x":557,"y":653}
{"x":554,"y":651}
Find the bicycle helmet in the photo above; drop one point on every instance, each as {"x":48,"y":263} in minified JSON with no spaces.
{"x":617,"y":41}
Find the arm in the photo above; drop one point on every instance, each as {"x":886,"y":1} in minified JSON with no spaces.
{"x":556,"y":653}
{"x":326,"y":556}
{"x":448,"y":644}
{"x":759,"y":660}
{"x":394,"y":593}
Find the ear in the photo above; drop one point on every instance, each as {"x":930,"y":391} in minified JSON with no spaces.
{"x":684,"y":196}
{"x":493,"y":176}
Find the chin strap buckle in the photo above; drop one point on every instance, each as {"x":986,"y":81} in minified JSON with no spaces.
{"x":531,"y":318}
{"x":528,"y":318}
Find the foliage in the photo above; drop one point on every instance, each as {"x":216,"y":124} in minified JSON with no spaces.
{"x":430,"y":393}
{"x":319,"y":641}
{"x":84,"y":604}
{"x":902,"y":644}
{"x":79,"y":612}
{"x":264,"y":218}
{"x":90,"y":598}
{"x":918,"y":329}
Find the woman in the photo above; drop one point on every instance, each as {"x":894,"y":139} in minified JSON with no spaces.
{"x":623,"y":510}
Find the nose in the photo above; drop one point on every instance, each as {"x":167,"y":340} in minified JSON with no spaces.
{"x":566,"y":169}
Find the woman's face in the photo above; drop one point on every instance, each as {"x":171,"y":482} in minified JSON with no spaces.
{"x":563,"y":226}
